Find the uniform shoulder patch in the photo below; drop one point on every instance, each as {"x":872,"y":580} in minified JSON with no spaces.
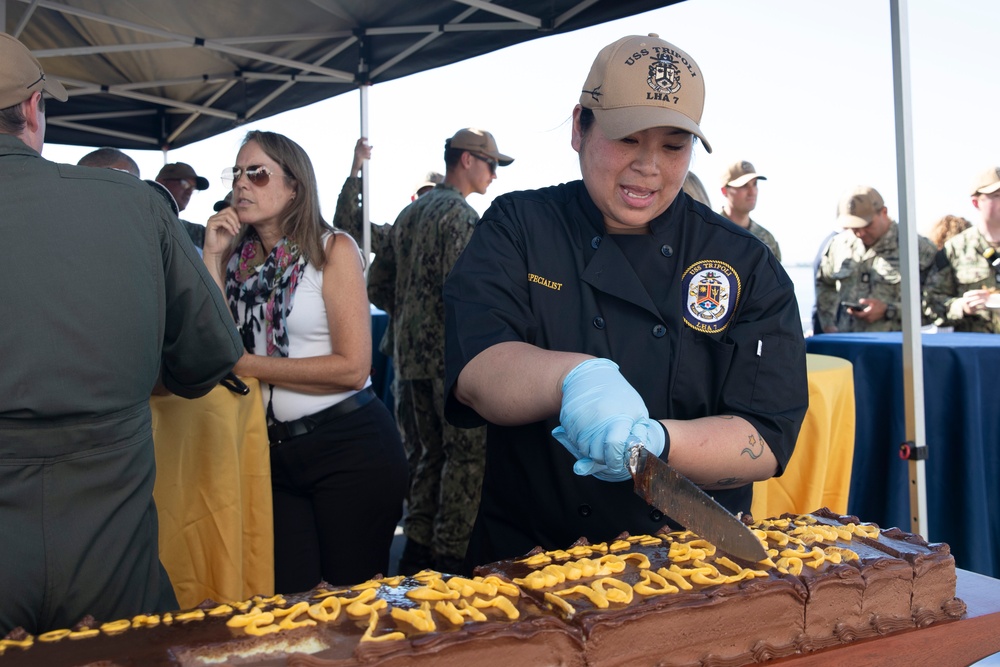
{"x":711,"y":293}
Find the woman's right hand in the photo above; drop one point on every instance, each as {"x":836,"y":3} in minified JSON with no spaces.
{"x":220,"y":230}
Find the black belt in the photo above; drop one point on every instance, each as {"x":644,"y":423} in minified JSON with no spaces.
{"x":280,"y":431}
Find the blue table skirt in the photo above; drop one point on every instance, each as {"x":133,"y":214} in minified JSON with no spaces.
{"x":962,"y":424}
{"x":382,"y":373}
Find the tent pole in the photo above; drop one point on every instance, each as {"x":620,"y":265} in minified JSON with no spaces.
{"x":913,"y":369}
{"x":365,"y":209}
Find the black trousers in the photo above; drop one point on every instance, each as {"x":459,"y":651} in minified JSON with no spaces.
{"x":338,"y":495}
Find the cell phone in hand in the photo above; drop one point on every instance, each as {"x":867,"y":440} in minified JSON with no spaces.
{"x":853,"y":305}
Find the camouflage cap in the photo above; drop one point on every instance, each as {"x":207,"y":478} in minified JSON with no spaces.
{"x":637,"y":83}
{"x":859,"y":207}
{"x":987,"y":182}
{"x":739,"y":174}
{"x":21,"y":74}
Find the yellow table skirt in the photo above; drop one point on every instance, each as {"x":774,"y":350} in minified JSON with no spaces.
{"x":213,"y":495}
{"x":819,"y":472}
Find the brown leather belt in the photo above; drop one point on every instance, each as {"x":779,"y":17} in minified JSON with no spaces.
{"x":278,"y":432}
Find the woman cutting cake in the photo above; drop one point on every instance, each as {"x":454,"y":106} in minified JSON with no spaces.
{"x":586,"y":312}
{"x":297,"y":290}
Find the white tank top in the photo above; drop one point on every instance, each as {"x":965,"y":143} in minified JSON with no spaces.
{"x":308,"y":336}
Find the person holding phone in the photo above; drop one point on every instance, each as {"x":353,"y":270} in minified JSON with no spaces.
{"x":858,"y":280}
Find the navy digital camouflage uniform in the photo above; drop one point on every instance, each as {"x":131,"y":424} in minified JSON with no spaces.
{"x":848,"y":272}
{"x":349,"y":218}
{"x":406,"y":280}
{"x":961,"y":267}
{"x":765,"y":236}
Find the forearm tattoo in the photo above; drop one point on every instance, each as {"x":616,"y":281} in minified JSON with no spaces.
{"x":754,"y":448}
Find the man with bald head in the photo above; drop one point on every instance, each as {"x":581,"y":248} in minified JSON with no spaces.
{"x":110,"y":158}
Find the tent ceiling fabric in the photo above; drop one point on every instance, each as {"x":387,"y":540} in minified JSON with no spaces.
{"x":151,"y":74}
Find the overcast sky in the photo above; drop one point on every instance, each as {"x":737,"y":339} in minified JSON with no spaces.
{"x":802,"y":89}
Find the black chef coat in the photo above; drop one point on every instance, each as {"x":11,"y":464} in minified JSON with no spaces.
{"x":699,"y":316}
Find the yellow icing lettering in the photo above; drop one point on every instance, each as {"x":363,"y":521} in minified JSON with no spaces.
{"x":116,"y":627}
{"x":193,"y":615}
{"x":501,"y":603}
{"x":556,"y":601}
{"x":653,"y":583}
{"x":369,"y":635}
{"x":420,"y":618}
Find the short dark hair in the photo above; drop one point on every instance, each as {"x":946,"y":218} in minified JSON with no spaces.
{"x":452,"y":156}
{"x":13,"y":120}
{"x":109,"y":158}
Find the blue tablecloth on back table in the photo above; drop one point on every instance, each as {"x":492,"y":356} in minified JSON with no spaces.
{"x":381,"y":364}
{"x":962,"y":423}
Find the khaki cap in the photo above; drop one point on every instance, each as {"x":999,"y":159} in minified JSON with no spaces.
{"x":987,"y":182}
{"x":739,"y":174}
{"x":176,"y":171}
{"x":641,"y":82}
{"x":859,"y":207}
{"x":21,"y":74}
{"x":430,"y":180}
{"x":478,"y":141}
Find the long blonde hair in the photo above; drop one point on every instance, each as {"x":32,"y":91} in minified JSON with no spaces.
{"x":302,"y":221}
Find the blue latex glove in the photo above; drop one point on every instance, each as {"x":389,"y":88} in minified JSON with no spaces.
{"x":599,"y":410}
{"x":652,"y":434}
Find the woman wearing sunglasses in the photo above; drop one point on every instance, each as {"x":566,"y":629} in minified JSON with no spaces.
{"x":297,"y":290}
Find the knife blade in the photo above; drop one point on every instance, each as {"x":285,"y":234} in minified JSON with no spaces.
{"x":679,"y":498}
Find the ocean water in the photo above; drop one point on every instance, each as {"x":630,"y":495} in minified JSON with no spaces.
{"x":805,"y":291}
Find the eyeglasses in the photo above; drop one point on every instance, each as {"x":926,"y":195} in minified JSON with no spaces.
{"x":257,"y":174}
{"x":490,"y":162}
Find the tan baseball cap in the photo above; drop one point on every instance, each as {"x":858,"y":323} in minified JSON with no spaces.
{"x":478,"y":141}
{"x":21,"y":74}
{"x":641,"y":82}
{"x":987,"y":182}
{"x":182,"y":170}
{"x":430,"y":180}
{"x":859,"y":207}
{"x":739,"y":174}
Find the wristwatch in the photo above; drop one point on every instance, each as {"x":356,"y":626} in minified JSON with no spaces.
{"x":890,"y":312}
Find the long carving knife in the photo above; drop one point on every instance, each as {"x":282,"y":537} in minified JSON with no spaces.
{"x":679,"y":498}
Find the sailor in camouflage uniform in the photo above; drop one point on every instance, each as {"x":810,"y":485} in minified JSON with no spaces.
{"x":349,"y":217}
{"x":739,"y":187}
{"x":408,"y":277}
{"x":861,"y":266}
{"x":965,"y":278}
